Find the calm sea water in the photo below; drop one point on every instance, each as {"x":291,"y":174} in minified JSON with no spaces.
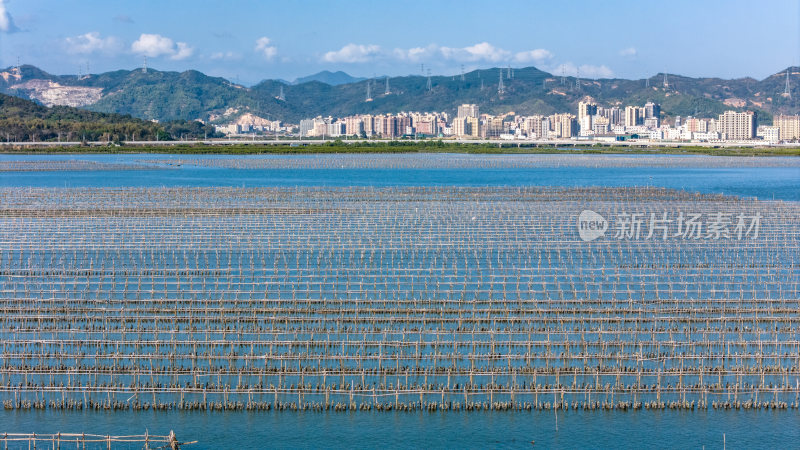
{"x":779,"y":183}
{"x":673,"y":429}
{"x":590,"y":429}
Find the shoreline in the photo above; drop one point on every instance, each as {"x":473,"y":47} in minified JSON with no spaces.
{"x":397,"y":147}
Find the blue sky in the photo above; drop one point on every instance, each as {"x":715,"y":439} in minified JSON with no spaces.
{"x":251,"y":41}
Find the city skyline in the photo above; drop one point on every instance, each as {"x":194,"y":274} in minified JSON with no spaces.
{"x":593,"y":123}
{"x":248,"y":43}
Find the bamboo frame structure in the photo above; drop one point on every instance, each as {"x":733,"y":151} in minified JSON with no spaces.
{"x":80,"y":441}
{"x":399,"y":298}
{"x":465,"y":161}
{"x":433,"y":161}
{"x":57,"y":165}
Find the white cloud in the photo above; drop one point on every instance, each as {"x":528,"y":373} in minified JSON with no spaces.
{"x":590,"y":71}
{"x":417,"y":54}
{"x":583,"y":71}
{"x":155,"y":45}
{"x":183,"y":51}
{"x":537,"y":55}
{"x":92,"y":42}
{"x":483,"y":51}
{"x":352,"y":53}
{"x":6,"y":21}
{"x":630,"y":51}
{"x":263,"y":46}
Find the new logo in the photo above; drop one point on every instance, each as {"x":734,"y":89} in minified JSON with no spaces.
{"x":591,"y":225}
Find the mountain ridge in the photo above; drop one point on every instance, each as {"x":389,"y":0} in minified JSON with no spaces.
{"x":328,"y":77}
{"x":190,"y":95}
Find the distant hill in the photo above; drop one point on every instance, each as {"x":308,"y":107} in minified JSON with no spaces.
{"x":328,"y":77}
{"x":193,"y":95}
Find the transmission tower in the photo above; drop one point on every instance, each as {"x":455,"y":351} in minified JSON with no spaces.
{"x":388,"y":91}
{"x":430,"y":85}
{"x":462,"y":72}
{"x":508,"y":75}
{"x":144,"y":65}
{"x":577,"y":78}
{"x":666,"y":81}
{"x":647,"y":82}
{"x":501,"y":89}
{"x":369,"y":90}
{"x":281,"y":96}
{"x":563,"y":75}
{"x":787,"y":91}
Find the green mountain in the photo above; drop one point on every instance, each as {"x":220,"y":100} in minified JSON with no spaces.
{"x":328,"y":77}
{"x":193,"y":95}
{"x":24,"y":120}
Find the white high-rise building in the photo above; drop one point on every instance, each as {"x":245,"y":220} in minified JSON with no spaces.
{"x":634,"y":116}
{"x":468,"y":110}
{"x":736,"y":126}
{"x":586,"y":109}
{"x":306,"y":127}
{"x":789,"y":127}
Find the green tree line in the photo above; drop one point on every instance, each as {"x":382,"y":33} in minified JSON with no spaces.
{"x":25,"y":121}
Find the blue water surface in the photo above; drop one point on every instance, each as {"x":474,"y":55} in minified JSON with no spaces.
{"x":767,"y":183}
{"x":539,"y":429}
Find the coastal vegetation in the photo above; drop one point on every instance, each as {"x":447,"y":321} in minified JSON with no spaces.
{"x":24,"y":120}
{"x":431,"y":146}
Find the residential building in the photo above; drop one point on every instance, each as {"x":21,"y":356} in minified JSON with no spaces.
{"x":789,"y":127}
{"x":564,"y":125}
{"x":600,"y":125}
{"x":614,"y":115}
{"x":368,"y":122}
{"x":354,"y":126}
{"x":533,"y":126}
{"x":468,"y":110}
{"x":736,"y":126}
{"x":459,"y":126}
{"x":336,"y":129}
{"x":473,"y":127}
{"x":586,"y":110}
{"x":306,"y":127}
{"x":403,"y":125}
{"x":427,"y":126}
{"x":651,"y":122}
{"x":770,"y":134}
{"x":494,"y":127}
{"x":652,"y":110}
{"x":634,"y":116}
{"x":695,"y":125}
